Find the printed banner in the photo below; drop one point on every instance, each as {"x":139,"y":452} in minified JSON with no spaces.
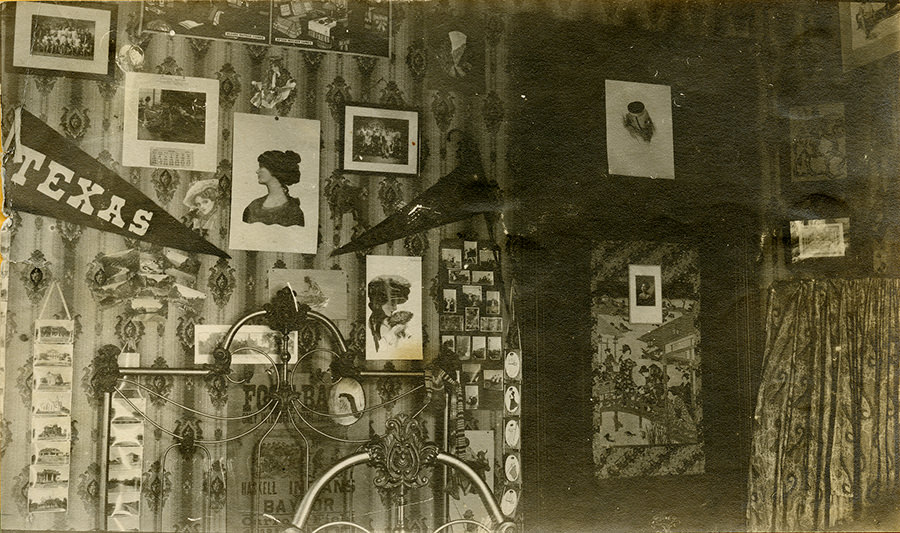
{"x":52,"y":177}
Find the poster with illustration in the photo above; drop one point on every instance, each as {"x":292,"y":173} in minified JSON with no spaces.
{"x":275,"y":184}
{"x":479,"y":454}
{"x":324,"y":291}
{"x":639,"y":139}
{"x":393,"y":307}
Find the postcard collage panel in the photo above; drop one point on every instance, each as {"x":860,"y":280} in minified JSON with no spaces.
{"x":126,"y":458}
{"x":51,"y":416}
{"x":471,"y":321}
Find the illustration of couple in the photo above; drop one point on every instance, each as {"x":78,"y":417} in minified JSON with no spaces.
{"x":386,"y":323}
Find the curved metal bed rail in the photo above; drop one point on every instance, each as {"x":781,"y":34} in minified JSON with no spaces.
{"x":502,"y":524}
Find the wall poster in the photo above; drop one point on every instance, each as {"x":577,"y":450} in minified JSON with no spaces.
{"x":646,"y":376}
{"x":393,"y":307}
{"x":639,"y":138}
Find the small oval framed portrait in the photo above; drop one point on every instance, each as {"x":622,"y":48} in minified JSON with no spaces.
{"x":512,"y":364}
{"x":512,"y":433}
{"x":509,"y":502}
{"x":511,"y":399}
{"x":511,"y":467}
{"x":345,"y":401}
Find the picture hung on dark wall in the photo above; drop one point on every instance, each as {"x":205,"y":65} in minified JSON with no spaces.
{"x":70,"y":40}
{"x":394,"y":307}
{"x":645,"y":288}
{"x":639,"y":138}
{"x":352,"y":26}
{"x":234,"y":20}
{"x":813,"y":239}
{"x":818,"y":143}
{"x":456,"y":47}
{"x":170,"y":122}
{"x":646,"y":376}
{"x":381,"y":140}
{"x":869,"y":31}
{"x":275,"y":189}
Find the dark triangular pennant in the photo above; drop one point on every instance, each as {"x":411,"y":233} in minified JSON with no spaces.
{"x":462,"y":193}
{"x":50,"y":176}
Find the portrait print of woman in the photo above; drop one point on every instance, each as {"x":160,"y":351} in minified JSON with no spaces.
{"x":275,"y":184}
{"x":394,"y":307}
{"x":277,"y":171}
{"x":202,"y":199}
{"x":386,"y":323}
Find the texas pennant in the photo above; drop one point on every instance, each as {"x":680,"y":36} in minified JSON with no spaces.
{"x":50,"y":176}
{"x":463,"y":193}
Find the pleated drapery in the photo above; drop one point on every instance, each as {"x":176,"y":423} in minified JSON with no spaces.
{"x":826,"y":440}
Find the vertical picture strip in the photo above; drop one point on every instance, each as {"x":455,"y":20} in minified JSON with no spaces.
{"x":126,"y":457}
{"x":54,"y":339}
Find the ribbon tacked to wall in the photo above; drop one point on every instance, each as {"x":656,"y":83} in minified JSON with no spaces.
{"x":50,"y":176}
{"x":51,"y":407}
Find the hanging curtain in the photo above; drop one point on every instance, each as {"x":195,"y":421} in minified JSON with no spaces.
{"x":826,"y":441}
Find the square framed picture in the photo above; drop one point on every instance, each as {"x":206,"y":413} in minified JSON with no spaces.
{"x":381,"y":140}
{"x":70,"y":40}
{"x":645,"y":294}
{"x":639,"y":139}
{"x":170,"y":122}
{"x":869,"y":31}
{"x":816,"y":239}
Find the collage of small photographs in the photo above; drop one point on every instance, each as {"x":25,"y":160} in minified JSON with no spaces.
{"x":126,"y":456}
{"x":471,"y":326}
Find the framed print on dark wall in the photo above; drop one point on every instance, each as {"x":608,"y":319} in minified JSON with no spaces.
{"x":381,"y":140}
{"x":54,"y":39}
{"x":869,"y":31}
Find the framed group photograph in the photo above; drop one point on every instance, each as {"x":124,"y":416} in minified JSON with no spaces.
{"x":381,"y":140}
{"x":639,"y":138}
{"x":815,"y":239}
{"x":71,"y":40}
{"x":275,"y":189}
{"x":869,"y":31}
{"x":170,"y":122}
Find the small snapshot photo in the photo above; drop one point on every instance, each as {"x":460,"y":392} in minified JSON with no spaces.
{"x":473,"y":314}
{"x":64,"y":38}
{"x":51,"y":453}
{"x":247,"y":346}
{"x":47,"y":476}
{"x":483,"y":277}
{"x":451,"y":322}
{"x":51,"y":428}
{"x":813,"y":239}
{"x":471,"y":373}
{"x":275,"y":188}
{"x":494,"y":347}
{"x":471,"y":296}
{"x":54,"y":331}
{"x":48,"y":499}
{"x":394,"y":307}
{"x":472,"y":396}
{"x":493,"y":379}
{"x":381,"y":140}
{"x":52,"y":355}
{"x":645,"y":294}
{"x":448,"y":344}
{"x":459,"y":276}
{"x":170,"y":122}
{"x":449,"y":305}
{"x":492,"y":324}
{"x":639,"y":139}
{"x":48,"y":378}
{"x":463,"y":347}
{"x":479,"y":348}
{"x":487,"y":257}
{"x":451,"y":258}
{"x":51,"y":403}
{"x":470,"y":255}
{"x":324,"y":291}
{"x":171,"y":116}
{"x":492,"y":302}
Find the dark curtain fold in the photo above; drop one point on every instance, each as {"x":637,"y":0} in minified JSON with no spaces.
{"x":826,"y":440}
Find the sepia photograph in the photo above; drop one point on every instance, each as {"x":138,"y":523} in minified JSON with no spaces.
{"x":450,"y":322}
{"x":479,"y":348}
{"x":645,"y":294}
{"x":472,"y":315}
{"x":324,"y":291}
{"x":450,"y":300}
{"x":171,"y":116}
{"x":381,"y":140}
{"x":464,"y":347}
{"x":471,"y":296}
{"x":813,"y":239}
{"x":639,"y":138}
{"x":250,"y":346}
{"x":494,"y":347}
{"x":451,"y":258}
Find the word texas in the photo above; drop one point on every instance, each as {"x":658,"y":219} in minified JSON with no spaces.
{"x":80,"y":193}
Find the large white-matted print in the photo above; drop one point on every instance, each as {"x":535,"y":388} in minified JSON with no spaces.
{"x":393,"y":307}
{"x":639,"y":139}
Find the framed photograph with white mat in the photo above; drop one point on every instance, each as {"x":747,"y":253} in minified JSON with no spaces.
{"x":381,"y":140}
{"x":645,"y":294}
{"x":64,"y":40}
{"x":170,"y":122}
{"x":275,"y":188}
